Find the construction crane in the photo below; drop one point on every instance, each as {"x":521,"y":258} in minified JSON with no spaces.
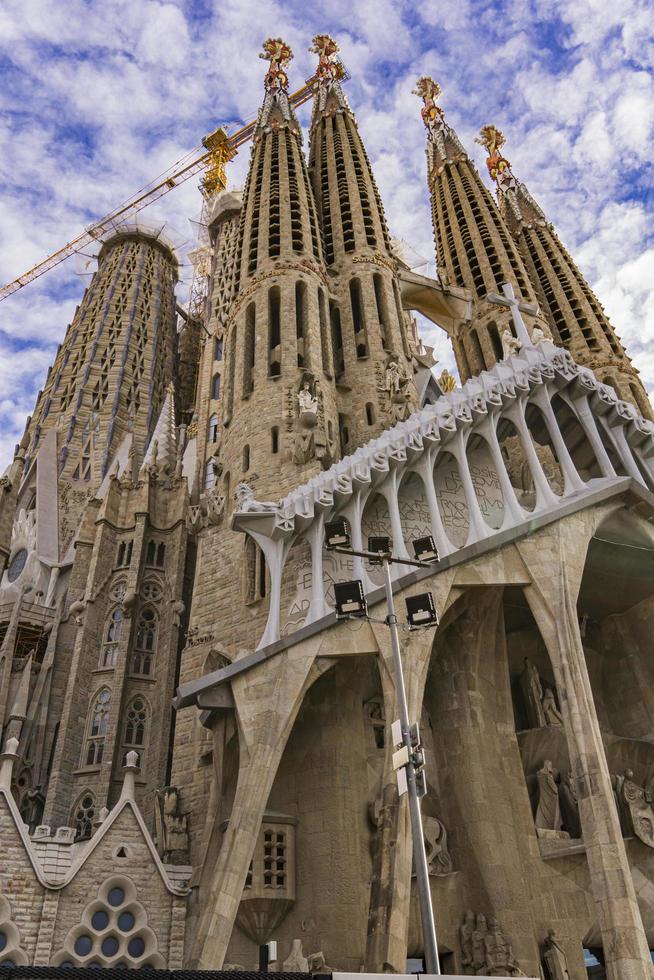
{"x":219,"y":148}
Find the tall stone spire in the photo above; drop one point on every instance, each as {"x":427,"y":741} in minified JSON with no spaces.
{"x":276,"y":342}
{"x":576,"y":316}
{"x":371,"y":334}
{"x":162,"y":450}
{"x":473,"y":244}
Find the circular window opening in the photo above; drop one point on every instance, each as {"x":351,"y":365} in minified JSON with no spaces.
{"x":17,"y":564}
{"x":116,"y":897}
{"x":136,"y":947}
{"x":100,"y":920}
{"x":109,"y":946}
{"x":125,"y":921}
{"x":83,"y":945}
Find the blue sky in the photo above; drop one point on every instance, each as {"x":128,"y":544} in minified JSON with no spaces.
{"x":98,"y":98}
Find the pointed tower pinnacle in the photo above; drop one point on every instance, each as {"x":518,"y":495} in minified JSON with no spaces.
{"x":330,"y":72}
{"x":576,"y":316}
{"x":473,"y":245}
{"x":162,"y":450}
{"x":276,"y":108}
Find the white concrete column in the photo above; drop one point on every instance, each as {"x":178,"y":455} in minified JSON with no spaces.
{"x":315,"y":536}
{"x":275,"y":553}
{"x":513,"y":512}
{"x":572,"y":482}
{"x":545,"y":496}
{"x":589,"y":425}
{"x":624,"y":451}
{"x":426,"y":471}
{"x":478,"y":526}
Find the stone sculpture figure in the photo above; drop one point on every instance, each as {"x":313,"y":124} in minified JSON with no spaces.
{"x":548,"y":814}
{"x":569,"y":805}
{"x":439,"y":861}
{"x":635,"y":808}
{"x":307,"y":401}
{"x":552,"y":714}
{"x":510,"y":344}
{"x":296,"y":961}
{"x":499,"y":958}
{"x":171,"y":826}
{"x":479,"y":946}
{"x":393,"y":379}
{"x":554,"y":957}
{"x":532,"y":693}
{"x":317,"y":963}
{"x":465,"y":934}
{"x":246,"y":504}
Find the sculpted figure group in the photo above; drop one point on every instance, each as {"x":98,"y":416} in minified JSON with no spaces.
{"x":485,"y":950}
{"x":540,"y":703}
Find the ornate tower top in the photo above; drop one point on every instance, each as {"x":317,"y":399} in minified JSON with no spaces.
{"x":510,"y":190}
{"x":330,"y":97}
{"x":439,"y":133}
{"x":276,"y":110}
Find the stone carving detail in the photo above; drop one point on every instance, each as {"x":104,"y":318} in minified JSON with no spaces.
{"x":171,"y":827}
{"x":246,"y":504}
{"x":548,"y":813}
{"x":485,"y":950}
{"x":375,"y":716}
{"x":310,"y":441}
{"x":317,"y":963}
{"x":532,"y":693}
{"x":394,"y":389}
{"x":296,"y":961}
{"x":634,"y":808}
{"x":446,"y":381}
{"x":510,"y":344}
{"x":554,"y":958}
{"x":569,"y":805}
{"x":439,"y":861}
{"x":540,"y":704}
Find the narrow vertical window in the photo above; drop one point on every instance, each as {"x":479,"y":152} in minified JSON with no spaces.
{"x":218,"y":349}
{"x":358,"y":319}
{"x":274,"y":334}
{"x":324,"y":335}
{"x":214,"y":428}
{"x":370,"y":413}
{"x":150,"y":553}
{"x":215,"y":386}
{"x":274,"y":439}
{"x":300,"y":323}
{"x":109,"y":653}
{"x":382,"y":310}
{"x":337,"y":340}
{"x":248,"y":350}
{"x":145,"y":643}
{"x":246,"y":458}
{"x":97,"y":729}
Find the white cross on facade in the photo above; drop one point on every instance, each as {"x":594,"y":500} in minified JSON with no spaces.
{"x":509,"y":299}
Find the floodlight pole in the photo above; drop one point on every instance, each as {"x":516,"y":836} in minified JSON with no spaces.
{"x":432,"y":963}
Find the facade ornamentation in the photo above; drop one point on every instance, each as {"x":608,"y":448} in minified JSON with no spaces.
{"x":171,"y":827}
{"x":555,"y":958}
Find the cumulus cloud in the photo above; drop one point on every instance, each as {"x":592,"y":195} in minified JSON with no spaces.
{"x":97,"y":99}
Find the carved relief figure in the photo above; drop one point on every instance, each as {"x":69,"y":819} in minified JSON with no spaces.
{"x":307,"y":402}
{"x":478,"y":946}
{"x":465,"y":934}
{"x":510,"y":344}
{"x":548,"y":814}
{"x":552,"y":714}
{"x":554,"y":957}
{"x":246,"y":504}
{"x":532,"y":693}
{"x":500,"y":961}
{"x":439,"y":861}
{"x":635,"y":808}
{"x":569,"y":805}
{"x":171,"y":827}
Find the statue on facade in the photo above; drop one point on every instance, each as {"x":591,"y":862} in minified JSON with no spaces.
{"x":307,"y":404}
{"x":246,"y":504}
{"x":554,"y":957}
{"x":538,"y":335}
{"x":439,"y":861}
{"x":500,"y":961}
{"x":317,"y":963}
{"x":510,"y":344}
{"x":532,"y":693}
{"x":296,"y":961}
{"x":634,"y":808}
{"x":552,"y":714}
{"x":465,"y":936}
{"x":569,"y":805}
{"x":548,"y":814}
{"x":171,"y":827}
{"x":479,"y":946}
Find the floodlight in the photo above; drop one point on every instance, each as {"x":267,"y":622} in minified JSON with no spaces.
{"x":337,"y":534}
{"x":350,"y":599}
{"x":425,"y":549}
{"x":380,"y":546}
{"x":420,"y":610}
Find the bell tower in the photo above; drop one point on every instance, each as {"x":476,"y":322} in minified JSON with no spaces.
{"x":473,"y":245}
{"x":371,"y":335}
{"x":278,"y":403}
{"x":576,"y":316}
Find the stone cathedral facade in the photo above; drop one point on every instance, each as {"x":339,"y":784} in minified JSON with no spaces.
{"x":196,"y":754}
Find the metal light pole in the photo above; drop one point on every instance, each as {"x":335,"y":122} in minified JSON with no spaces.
{"x":432,"y":963}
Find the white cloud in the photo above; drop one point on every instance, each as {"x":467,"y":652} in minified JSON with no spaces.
{"x":99,"y":98}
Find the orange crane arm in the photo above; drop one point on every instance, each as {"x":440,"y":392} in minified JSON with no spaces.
{"x":141,"y":200}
